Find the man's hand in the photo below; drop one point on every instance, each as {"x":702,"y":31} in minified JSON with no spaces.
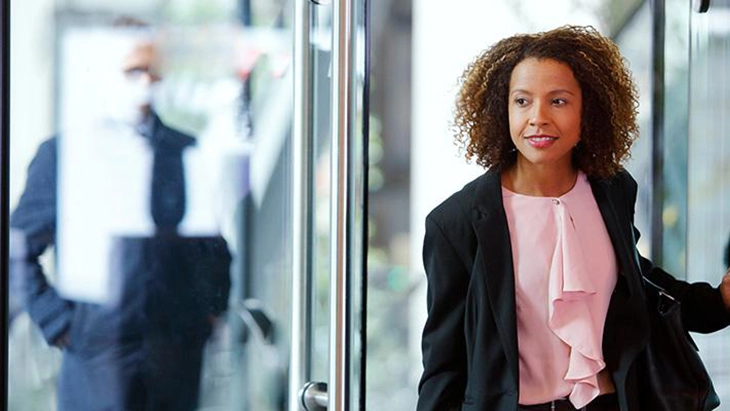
{"x":725,"y":289}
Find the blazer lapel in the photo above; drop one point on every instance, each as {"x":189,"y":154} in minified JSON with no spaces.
{"x":617,"y":227}
{"x":493,"y":262}
{"x":625,"y":331}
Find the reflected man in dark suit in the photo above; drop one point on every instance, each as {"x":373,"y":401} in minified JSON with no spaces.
{"x":142,"y":349}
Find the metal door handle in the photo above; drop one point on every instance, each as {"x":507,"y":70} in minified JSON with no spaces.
{"x":314,"y":397}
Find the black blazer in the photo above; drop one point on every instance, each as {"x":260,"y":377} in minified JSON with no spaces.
{"x":469,"y":341}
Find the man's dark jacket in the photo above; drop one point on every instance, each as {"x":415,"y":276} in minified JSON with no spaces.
{"x":145,"y":352}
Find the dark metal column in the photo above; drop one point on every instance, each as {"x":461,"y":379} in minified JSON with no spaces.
{"x":4,"y":191}
{"x":657,"y":131}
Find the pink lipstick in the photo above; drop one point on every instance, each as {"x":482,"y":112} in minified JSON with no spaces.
{"x":541,"y":141}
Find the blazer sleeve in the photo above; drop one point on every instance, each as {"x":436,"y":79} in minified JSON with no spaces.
{"x":443,"y":381}
{"x":32,"y":225}
{"x":703,"y":309}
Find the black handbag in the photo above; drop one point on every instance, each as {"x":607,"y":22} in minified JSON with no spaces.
{"x":672,"y":376}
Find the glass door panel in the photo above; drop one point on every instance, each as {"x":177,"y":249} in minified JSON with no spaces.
{"x":160,"y":210}
{"x":152,"y":224}
{"x":708,"y":156}
{"x":337,"y":84}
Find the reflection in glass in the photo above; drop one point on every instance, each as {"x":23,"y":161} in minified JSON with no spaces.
{"x":150,"y":231}
{"x":142,"y":274}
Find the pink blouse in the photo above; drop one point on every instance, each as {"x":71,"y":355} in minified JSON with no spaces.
{"x":565,"y":272}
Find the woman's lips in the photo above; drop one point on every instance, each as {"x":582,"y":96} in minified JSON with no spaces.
{"x":541,"y":141}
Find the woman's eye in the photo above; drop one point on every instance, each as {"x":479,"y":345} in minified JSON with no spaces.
{"x":520,"y":101}
{"x":559,"y":101}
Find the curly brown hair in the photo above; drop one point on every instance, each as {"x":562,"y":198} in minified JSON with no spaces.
{"x":610,"y":102}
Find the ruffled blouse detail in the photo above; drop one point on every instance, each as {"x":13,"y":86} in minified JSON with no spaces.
{"x":570,"y":289}
{"x":565,"y":273}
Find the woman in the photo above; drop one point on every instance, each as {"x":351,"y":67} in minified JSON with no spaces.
{"x":535,"y":296}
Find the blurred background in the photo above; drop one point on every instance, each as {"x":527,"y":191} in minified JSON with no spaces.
{"x":228,"y":81}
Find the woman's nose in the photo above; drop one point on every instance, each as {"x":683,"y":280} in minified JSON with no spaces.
{"x":538,"y":116}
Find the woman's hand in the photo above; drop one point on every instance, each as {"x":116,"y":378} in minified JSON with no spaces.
{"x":725,"y":289}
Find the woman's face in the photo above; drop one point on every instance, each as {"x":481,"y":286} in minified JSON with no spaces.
{"x":544,"y":105}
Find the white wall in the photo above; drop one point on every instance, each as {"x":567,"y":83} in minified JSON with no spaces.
{"x":31,"y":84}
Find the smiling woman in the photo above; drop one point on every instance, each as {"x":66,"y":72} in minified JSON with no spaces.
{"x":609,"y":98}
{"x":537,"y":258}
{"x":544,"y":116}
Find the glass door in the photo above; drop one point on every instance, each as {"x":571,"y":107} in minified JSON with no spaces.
{"x":707,"y":164}
{"x":186,"y":205}
{"x":330,"y":144}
